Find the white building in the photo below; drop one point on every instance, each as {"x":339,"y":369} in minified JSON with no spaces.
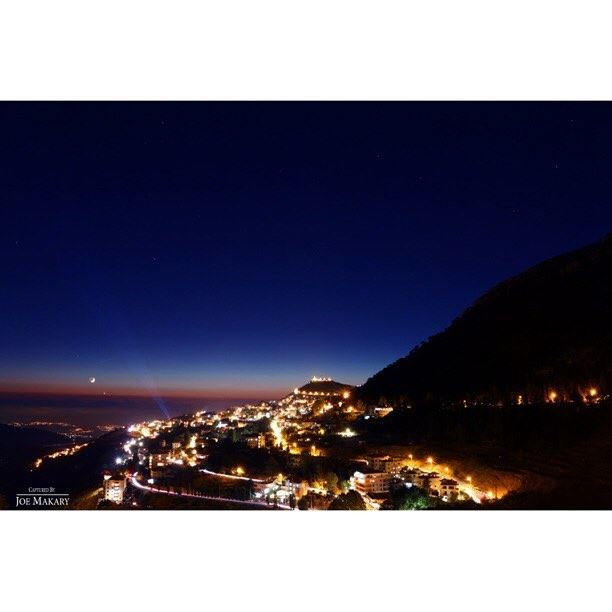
{"x":430,"y":481}
{"x":282,"y":491}
{"x":372,"y":483}
{"x":114,"y":488}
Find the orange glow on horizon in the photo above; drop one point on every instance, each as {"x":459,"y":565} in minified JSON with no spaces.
{"x":100,"y":390}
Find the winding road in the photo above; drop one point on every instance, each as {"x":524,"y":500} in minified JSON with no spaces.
{"x":258,"y":504}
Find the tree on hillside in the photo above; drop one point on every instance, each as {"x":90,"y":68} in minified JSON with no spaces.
{"x":348,"y":501}
{"x":331,"y":481}
{"x":411,"y":498}
{"x":304,"y":503}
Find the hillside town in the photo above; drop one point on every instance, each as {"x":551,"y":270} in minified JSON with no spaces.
{"x":301,"y":452}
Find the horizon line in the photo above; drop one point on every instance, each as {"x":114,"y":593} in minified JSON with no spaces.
{"x":136,"y":392}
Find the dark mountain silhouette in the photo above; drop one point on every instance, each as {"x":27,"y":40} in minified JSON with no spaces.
{"x":519,"y":383}
{"x":12,"y":437}
{"x":546,"y":333}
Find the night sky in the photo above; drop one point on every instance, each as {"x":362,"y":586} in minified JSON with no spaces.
{"x":238,"y":249}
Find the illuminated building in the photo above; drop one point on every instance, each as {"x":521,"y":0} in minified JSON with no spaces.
{"x":369,"y":483}
{"x":280,"y":489}
{"x":114,"y":488}
{"x":158,"y":459}
{"x":382,"y":411}
{"x":429,"y":481}
{"x":378,"y":412}
{"x":448,"y":487}
{"x":255,"y":441}
{"x":386,"y":464}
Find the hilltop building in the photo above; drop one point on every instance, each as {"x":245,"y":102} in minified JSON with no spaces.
{"x":324,"y":387}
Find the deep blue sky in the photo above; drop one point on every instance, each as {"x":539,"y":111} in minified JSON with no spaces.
{"x":224,"y":248}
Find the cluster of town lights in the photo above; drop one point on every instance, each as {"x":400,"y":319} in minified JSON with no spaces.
{"x":65,"y":452}
{"x":467,"y":486}
{"x":592,"y":393}
{"x":292,"y":429}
